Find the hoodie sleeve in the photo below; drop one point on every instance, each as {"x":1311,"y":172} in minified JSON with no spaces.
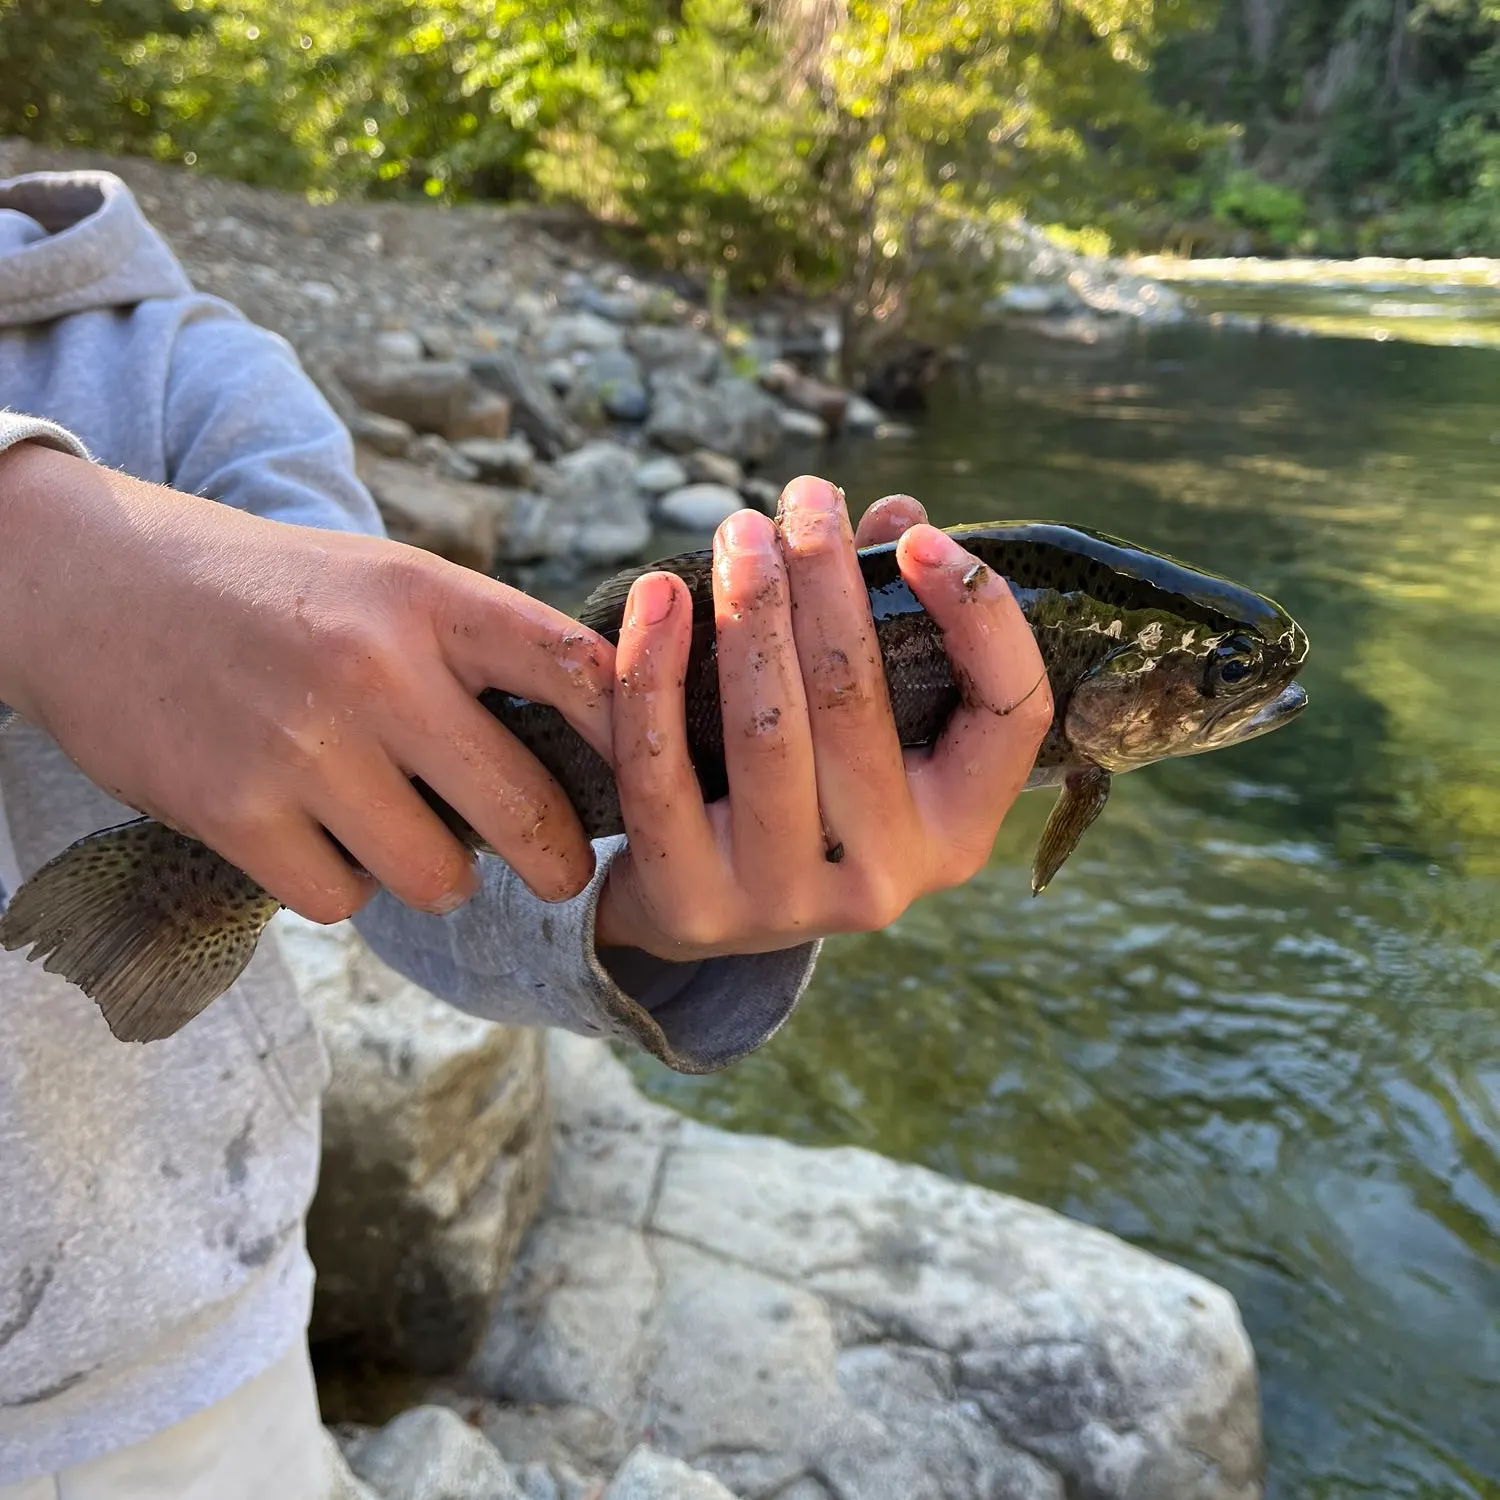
{"x":247,"y":426}
{"x":15,"y":427}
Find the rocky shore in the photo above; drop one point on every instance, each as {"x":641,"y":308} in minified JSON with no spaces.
{"x":533,"y":1284}
{"x":590,"y":1296}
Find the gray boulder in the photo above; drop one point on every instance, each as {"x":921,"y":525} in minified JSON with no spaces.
{"x":535,"y":410}
{"x":501,"y":461}
{"x":677,"y":351}
{"x":615,"y":307}
{"x":429,"y":395}
{"x":435,"y":1150}
{"x":863,"y":1329}
{"x":805,"y":426}
{"x":658,"y":475}
{"x":648,"y":1475}
{"x":731,"y":416}
{"x":861,"y":415}
{"x":609,"y":385}
{"x":439,"y":456}
{"x":580,"y":332}
{"x":454,"y":518}
{"x":431,"y":1453}
{"x":698,"y":507}
{"x":598,"y":511}
{"x":400,"y":344}
{"x":705,"y":467}
{"x":388,"y":435}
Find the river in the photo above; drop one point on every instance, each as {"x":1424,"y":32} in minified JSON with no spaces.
{"x":1254,"y":1027}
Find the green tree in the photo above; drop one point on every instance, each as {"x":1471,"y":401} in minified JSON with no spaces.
{"x":870,"y":148}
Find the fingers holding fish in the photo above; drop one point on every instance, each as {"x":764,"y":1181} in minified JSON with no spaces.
{"x":494,"y":636}
{"x":495,"y":785}
{"x":297,"y":863}
{"x":673,"y":864}
{"x":381,"y":820}
{"x":768,"y":749}
{"x":984,"y":755}
{"x":860,"y":774}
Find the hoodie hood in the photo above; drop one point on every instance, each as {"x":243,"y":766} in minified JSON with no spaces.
{"x":74,"y":241}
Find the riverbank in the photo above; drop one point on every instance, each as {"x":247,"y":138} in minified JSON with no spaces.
{"x":609,"y":1299}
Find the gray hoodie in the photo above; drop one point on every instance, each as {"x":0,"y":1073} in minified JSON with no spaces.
{"x":152,"y":1197}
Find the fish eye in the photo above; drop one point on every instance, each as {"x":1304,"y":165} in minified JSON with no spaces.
{"x":1236,"y":663}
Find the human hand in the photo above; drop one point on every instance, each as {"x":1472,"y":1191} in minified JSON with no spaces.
{"x":252,"y":683}
{"x":810,"y":742}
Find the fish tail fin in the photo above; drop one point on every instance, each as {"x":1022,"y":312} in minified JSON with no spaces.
{"x":148,"y":923}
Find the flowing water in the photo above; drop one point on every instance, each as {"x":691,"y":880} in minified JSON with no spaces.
{"x":1254,"y":1026}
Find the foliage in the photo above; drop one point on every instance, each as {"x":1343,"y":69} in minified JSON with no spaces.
{"x":860,"y":147}
{"x":1383,"y":114}
{"x":1247,"y":200}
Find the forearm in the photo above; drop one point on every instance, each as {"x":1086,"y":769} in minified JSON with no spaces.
{"x":29,"y":448}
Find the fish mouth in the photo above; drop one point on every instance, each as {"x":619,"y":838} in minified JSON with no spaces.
{"x":1285,"y":706}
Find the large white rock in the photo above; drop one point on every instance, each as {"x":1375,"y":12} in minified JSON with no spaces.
{"x":435,"y":1146}
{"x":430,"y":1453}
{"x":698,"y":507}
{"x":648,"y":1475}
{"x":836,"y":1326}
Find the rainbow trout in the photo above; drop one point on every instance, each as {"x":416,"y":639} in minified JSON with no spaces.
{"x":1148,"y":658}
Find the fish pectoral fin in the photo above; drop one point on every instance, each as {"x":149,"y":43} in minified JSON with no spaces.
{"x":1082,"y":799}
{"x":148,"y":923}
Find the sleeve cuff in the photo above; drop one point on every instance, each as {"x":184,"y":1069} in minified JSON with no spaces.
{"x":507,"y":956}
{"x":15,"y":428}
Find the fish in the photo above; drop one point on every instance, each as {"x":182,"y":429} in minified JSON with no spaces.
{"x":1148,"y":659}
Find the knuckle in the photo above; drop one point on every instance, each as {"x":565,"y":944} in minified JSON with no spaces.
{"x":584,"y":665}
{"x":330,"y":907}
{"x":699,"y":924}
{"x":437,"y":881}
{"x":242,"y":812}
{"x":882,"y":898}
{"x":1033,"y":711}
{"x":355,"y":654}
{"x":840,"y":683}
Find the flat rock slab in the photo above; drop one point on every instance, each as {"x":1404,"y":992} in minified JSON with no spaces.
{"x":828,"y":1323}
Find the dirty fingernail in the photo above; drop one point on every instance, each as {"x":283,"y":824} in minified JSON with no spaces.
{"x":933,"y":548}
{"x":807,"y":492}
{"x":651,"y":599}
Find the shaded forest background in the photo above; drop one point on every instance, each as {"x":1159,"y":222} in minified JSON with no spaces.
{"x":870,"y":146}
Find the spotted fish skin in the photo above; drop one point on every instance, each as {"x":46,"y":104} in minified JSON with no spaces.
{"x":1147,"y":658}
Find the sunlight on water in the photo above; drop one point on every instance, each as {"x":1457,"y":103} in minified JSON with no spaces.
{"x":1255,"y":1025}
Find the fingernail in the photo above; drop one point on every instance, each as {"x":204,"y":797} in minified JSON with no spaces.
{"x":651,"y":599}
{"x":807,"y":492}
{"x":933,"y":548}
{"x":452,"y":900}
{"x":747,"y":531}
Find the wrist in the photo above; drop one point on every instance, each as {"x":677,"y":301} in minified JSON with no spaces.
{"x":33,"y":480}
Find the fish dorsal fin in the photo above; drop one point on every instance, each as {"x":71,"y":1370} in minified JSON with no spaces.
{"x":604,"y":609}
